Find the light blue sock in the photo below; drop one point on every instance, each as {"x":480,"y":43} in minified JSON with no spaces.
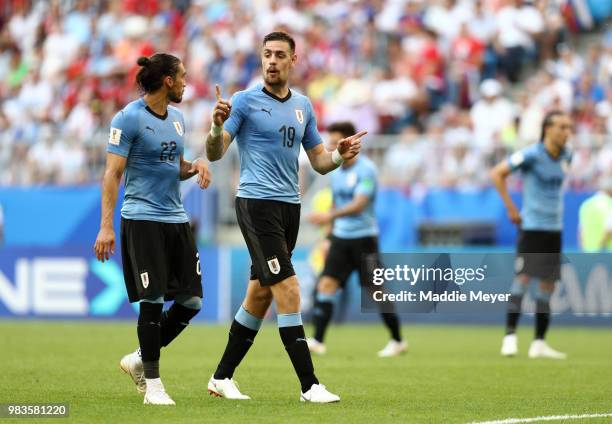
{"x":245,"y":318}
{"x":289,"y":320}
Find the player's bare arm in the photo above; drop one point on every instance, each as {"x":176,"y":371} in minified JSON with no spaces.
{"x":499,"y":174}
{"x":359,"y":203}
{"x":105,"y":242}
{"x":323,"y":161}
{"x":218,"y":140}
{"x":197,"y":167}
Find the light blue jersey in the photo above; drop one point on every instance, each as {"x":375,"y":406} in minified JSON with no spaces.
{"x":359,"y":178}
{"x":153,"y":146}
{"x":269,"y":132}
{"x":542,"y":183}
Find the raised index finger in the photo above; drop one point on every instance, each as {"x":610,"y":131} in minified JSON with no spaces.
{"x":358,"y":135}
{"x":218,"y":91}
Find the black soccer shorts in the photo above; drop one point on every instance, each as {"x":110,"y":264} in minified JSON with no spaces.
{"x":159,"y":259}
{"x":539,"y":254}
{"x":270,"y":229}
{"x":347,"y":255}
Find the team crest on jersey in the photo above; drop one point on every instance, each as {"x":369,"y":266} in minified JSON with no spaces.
{"x":115,"y":136}
{"x":178,"y":127}
{"x":299,"y":114}
{"x":144,"y":279}
{"x":274,"y":265}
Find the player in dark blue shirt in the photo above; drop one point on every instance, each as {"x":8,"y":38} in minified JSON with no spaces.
{"x":543,"y":167}
{"x":158,"y":250}
{"x":270,"y":123}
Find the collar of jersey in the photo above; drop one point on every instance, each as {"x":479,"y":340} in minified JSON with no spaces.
{"x":157,"y":115}
{"x":275,"y":97}
{"x":562,"y":153}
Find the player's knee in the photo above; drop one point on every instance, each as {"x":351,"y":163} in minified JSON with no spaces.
{"x":544,"y":292}
{"x":547,"y":286}
{"x":259,"y":298}
{"x":327,"y":285}
{"x":257,"y":301}
{"x":288,"y":300}
{"x":292,"y":297}
{"x":523,"y":279}
{"x":287,"y":295}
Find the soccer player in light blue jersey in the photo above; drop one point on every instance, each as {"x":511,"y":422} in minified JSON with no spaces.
{"x":158,"y":250}
{"x":543,"y":167}
{"x":270,"y":123}
{"x":354,"y":242}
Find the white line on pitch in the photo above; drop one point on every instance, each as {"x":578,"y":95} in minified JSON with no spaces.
{"x":547,"y":418}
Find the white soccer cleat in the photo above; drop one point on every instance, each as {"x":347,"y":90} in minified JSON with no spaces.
{"x":156,"y":394}
{"x":540,"y":349}
{"x":509,"y":345}
{"x":319,"y":394}
{"x":226,"y":388}
{"x":131,"y":364}
{"x":393,"y":348}
{"x":315,"y":346}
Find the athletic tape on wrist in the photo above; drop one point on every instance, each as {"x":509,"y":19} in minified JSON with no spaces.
{"x":337,"y":157}
{"x":215,"y":130}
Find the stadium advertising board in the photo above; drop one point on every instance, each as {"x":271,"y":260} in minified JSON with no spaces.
{"x":70,"y":283}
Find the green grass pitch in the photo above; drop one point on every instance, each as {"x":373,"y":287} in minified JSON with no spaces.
{"x":452,"y":374}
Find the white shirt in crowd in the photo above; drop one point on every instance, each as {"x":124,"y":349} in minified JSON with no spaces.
{"x":489,"y":118}
{"x":515,"y":26}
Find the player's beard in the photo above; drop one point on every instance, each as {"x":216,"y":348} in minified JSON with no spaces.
{"x":276,"y":81}
{"x":175,"y":97}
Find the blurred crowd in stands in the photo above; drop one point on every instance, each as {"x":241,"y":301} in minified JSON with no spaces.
{"x":456,"y":83}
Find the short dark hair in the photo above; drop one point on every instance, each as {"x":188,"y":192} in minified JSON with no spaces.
{"x":548,"y":121}
{"x":345,"y":128}
{"x":280,"y":36}
{"x":154,"y":69}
